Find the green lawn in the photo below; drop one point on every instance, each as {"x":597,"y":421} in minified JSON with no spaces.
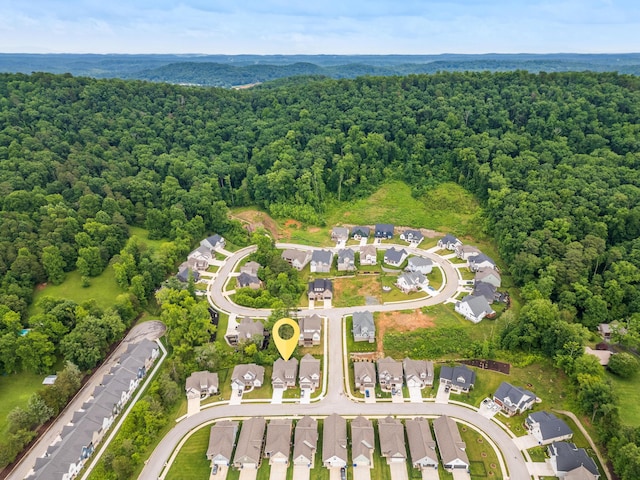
{"x":435,"y":278}
{"x":448,"y":207}
{"x":627,"y":391}
{"x":395,"y":294}
{"x":103,"y":290}
{"x":192,"y":462}
{"x":482,"y":458}
{"x":15,"y":391}
{"x":357,"y":346}
{"x":143,"y":235}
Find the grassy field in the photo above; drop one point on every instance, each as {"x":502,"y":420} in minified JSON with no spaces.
{"x":482,"y":458}
{"x":627,"y":392}
{"x":192,"y":461}
{"x":15,"y":391}
{"x":143,"y":235}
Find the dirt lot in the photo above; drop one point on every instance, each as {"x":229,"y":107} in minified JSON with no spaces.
{"x":401,"y":322}
{"x":255,"y":219}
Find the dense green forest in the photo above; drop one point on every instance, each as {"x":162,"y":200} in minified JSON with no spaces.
{"x":554,"y":158}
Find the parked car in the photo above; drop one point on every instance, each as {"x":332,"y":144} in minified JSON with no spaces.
{"x":215,"y":470}
{"x":343,"y":473}
{"x":367,"y":393}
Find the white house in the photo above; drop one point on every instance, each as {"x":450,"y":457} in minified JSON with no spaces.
{"x":474,"y":308}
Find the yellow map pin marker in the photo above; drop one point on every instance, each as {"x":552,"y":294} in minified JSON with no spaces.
{"x":285,"y":346}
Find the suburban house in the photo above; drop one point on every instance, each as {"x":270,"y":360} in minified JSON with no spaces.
{"x":249,"y":449}
{"x":309,"y":373}
{"x":320,"y":289}
{"x":547,"y":428}
{"x":321,"y":261}
{"x":222,"y":439}
{"x":185,"y":270}
{"x":565,"y":458}
{"x":251,"y":268}
{"x":474,"y":308}
{"x":513,"y":400}
{"x":334,"y":442}
{"x":339,"y":234}
{"x":247,"y":280}
{"x":298,"y":259}
{"x":284,"y":373}
{"x":358,"y":233}
{"x":389,"y":374}
{"x":383,"y":230}
{"x":422,"y":448}
{"x":459,"y":378}
{"x":488,"y":275}
{"x":449,"y":242}
{"x":418,"y":373}
{"x":364,"y":330}
{"x":419,"y":265}
{"x":368,"y":255}
{"x":480,"y":261}
{"x":213,"y":242}
{"x":201,"y":384}
{"x":245,"y":331}
{"x":412,"y":282}
{"x":395,"y":257}
{"x":277,"y":448}
{"x":364,"y":374}
{"x":346,"y":260}
{"x":305,"y":442}
{"x":485,"y":290}
{"x":412,"y":237}
{"x":200,"y":257}
{"x":310,"y":331}
{"x":463,"y":252}
{"x":247,"y":376}
{"x":392,"y":444}
{"x":363,"y":442}
{"x":65,"y":458}
{"x":450,"y":444}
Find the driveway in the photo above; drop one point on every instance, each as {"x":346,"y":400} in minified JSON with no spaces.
{"x":361,"y":473}
{"x":235,"y":398}
{"x":276,"y":398}
{"x":222,"y":473}
{"x":540,"y":469}
{"x":334,"y":473}
{"x":399,"y":471}
{"x":415,"y":395}
{"x":305,"y":396}
{"x":278,"y":471}
{"x":460,"y":474}
{"x":193,"y":406}
{"x":430,"y":474}
{"x":398,"y":397}
{"x":442,"y":396}
{"x":526,"y":442}
{"x":372,"y":395}
{"x":302,"y":472}
{"x":248,"y":473}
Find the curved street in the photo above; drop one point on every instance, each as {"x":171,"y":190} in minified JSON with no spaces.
{"x":335,"y":399}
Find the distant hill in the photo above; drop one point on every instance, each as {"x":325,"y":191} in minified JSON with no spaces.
{"x":231,"y":70}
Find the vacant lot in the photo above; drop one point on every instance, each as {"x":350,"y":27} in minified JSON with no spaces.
{"x":352,"y":291}
{"x":401,"y":322}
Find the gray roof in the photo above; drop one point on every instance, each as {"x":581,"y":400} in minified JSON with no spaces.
{"x":550,"y":425}
{"x":460,"y":375}
{"x":362,"y":231}
{"x":392,"y":255}
{"x":420,"y":262}
{"x":320,"y":285}
{"x":570,"y":457}
{"x":251,"y":267}
{"x":391,"y":367}
{"x":285,"y":370}
{"x":309,"y":366}
{"x":322,"y":256}
{"x":466,"y":249}
{"x":310,"y":323}
{"x":346,"y":254}
{"x":250,"y":369}
{"x":362,"y":438}
{"x":278,"y":437}
{"x":449,"y":239}
{"x":422,"y":369}
{"x":385,"y":228}
{"x":480,"y":258}
{"x":306,"y":438}
{"x":363,"y":321}
{"x":183,"y":273}
{"x":477,"y":304}
{"x":391,"y":433}
{"x":222,"y":438}
{"x":249,"y":447}
{"x":202,"y":381}
{"x":290,"y":255}
{"x":487,"y":272}
{"x":421,"y":442}
{"x":362,"y":370}
{"x":334,"y":438}
{"x":247,"y":328}
{"x":214,"y":239}
{"x":413,"y":279}
{"x":340,"y":232}
{"x":513,"y":396}
{"x":484,"y":289}
{"x":450,"y":443}
{"x":413,"y":234}
{"x":246,"y":279}
{"x":368,"y":250}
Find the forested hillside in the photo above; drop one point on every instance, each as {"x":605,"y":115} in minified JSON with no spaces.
{"x":555,"y":159}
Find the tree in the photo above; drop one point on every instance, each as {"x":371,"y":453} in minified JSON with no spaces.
{"x":623,"y":364}
{"x":54,"y":264}
{"x":36,"y":352}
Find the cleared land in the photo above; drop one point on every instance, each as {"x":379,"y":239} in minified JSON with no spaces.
{"x":401,"y":322}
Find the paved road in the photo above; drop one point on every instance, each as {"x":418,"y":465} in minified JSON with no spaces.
{"x":151,"y":330}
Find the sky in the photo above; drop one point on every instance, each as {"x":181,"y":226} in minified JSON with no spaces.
{"x":320,"y":26}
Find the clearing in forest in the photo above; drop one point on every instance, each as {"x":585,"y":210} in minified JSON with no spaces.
{"x":256,"y":219}
{"x":403,"y":321}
